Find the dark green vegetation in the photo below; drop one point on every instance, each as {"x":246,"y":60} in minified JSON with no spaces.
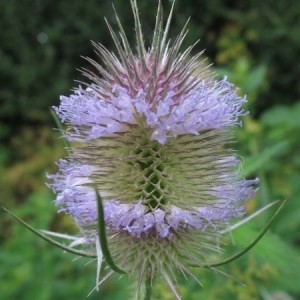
{"x":256,"y":43}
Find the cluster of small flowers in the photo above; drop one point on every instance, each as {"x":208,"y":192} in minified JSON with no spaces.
{"x":151,"y":133}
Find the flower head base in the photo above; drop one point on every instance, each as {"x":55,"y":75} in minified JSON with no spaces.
{"x":150,"y":133}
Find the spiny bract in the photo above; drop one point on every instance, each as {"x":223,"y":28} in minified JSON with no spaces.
{"x":150,"y":133}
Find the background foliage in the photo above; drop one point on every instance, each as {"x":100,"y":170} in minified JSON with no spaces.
{"x":255,"y":43}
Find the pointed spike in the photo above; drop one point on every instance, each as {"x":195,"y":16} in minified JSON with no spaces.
{"x":171,"y":286}
{"x":166,"y":31}
{"x":101,"y":70}
{"x":99,"y":283}
{"x":245,"y":220}
{"x":95,"y":78}
{"x":228,"y":276}
{"x":186,"y":68}
{"x":92,"y":75}
{"x":139,"y":34}
{"x":130,"y":62}
{"x":157,"y":30}
{"x":121,"y":52}
{"x":156,"y":44}
{"x":175,"y":48}
{"x":185,"y":271}
{"x":99,"y":261}
{"x":115,"y":39}
{"x":188,"y":51}
{"x":155,"y":51}
{"x":142,"y":268}
{"x":123,"y":34}
{"x":109,"y":59}
{"x":59,"y":235}
{"x":114,"y":72}
{"x":185,"y":72}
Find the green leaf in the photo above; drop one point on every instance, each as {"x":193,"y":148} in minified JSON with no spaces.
{"x":252,"y":164}
{"x":255,"y":78}
{"x":284,"y":115}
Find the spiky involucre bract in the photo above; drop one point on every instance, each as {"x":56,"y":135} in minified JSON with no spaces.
{"x":150,"y":132}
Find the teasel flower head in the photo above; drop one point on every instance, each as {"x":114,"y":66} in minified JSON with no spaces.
{"x":151,"y":133}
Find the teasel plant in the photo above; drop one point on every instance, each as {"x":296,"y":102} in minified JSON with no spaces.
{"x":150,"y":179}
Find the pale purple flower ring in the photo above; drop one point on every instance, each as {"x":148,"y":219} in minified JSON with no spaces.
{"x":151,"y":132}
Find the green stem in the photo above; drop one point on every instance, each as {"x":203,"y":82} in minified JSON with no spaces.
{"x":148,"y":284}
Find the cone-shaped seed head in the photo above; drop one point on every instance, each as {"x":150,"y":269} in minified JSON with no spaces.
{"x":150,"y":133}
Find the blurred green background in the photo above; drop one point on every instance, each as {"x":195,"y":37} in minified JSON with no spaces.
{"x":255,"y":43}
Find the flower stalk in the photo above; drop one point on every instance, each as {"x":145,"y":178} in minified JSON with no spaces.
{"x":148,"y":287}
